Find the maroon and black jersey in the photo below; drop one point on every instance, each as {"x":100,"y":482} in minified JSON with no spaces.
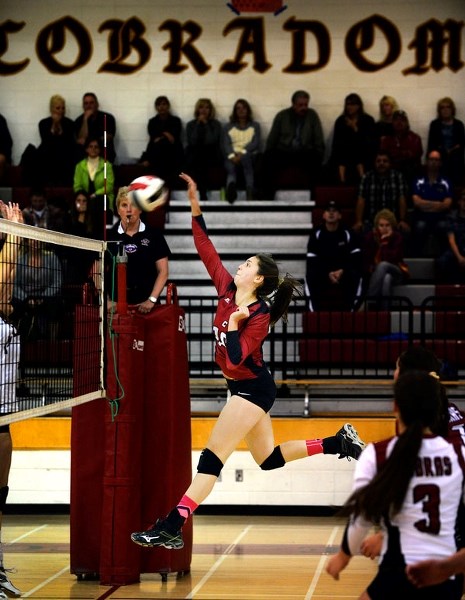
{"x":239,"y":354}
{"x":456,"y":421}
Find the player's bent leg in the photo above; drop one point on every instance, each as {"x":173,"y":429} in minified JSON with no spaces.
{"x":167,"y":532}
{"x":274,"y":461}
{"x":236,"y":421}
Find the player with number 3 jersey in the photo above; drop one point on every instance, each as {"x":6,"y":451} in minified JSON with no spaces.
{"x":412,"y":486}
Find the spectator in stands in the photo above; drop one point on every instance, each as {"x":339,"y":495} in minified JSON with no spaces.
{"x":204,"y":151}
{"x":81,"y":217}
{"x":164,"y":154}
{"x":57,"y":153}
{"x":36,"y":291}
{"x":387,"y":107}
{"x":447,"y":134}
{"x":241,"y":143}
{"x":147,"y":252}
{"x":382,"y":187}
{"x":93,"y":123}
{"x":37,"y":213}
{"x":404,"y":147}
{"x":353,"y":141}
{"x":59,"y":218}
{"x":383,"y":258}
{"x":89,"y":176}
{"x":9,"y":361}
{"x":6,"y":145}
{"x":334,"y":268}
{"x":295,"y":139}
{"x":432,"y":201}
{"x":450,"y":266}
{"x":78,"y":263}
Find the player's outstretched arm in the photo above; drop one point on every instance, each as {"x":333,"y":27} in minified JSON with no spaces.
{"x":192,"y":194}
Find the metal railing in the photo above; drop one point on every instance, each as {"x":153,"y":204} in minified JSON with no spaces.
{"x":359,"y":345}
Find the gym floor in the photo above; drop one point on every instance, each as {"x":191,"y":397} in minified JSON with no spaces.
{"x":234,"y":558}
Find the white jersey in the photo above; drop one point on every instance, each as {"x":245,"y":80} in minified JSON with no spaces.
{"x":9,"y":359}
{"x":426,"y":525}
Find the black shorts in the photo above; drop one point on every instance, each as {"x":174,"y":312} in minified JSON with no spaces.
{"x":393,"y":583}
{"x":260,"y":390}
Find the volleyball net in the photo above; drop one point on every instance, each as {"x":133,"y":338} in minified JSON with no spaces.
{"x":51,"y":325}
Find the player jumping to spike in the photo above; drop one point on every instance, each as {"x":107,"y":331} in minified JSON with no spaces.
{"x":249,"y":302}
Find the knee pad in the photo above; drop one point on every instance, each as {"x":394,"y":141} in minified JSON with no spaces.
{"x":3,"y":496}
{"x":274,"y":461}
{"x":209,"y":463}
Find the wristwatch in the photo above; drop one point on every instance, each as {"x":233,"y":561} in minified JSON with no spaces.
{"x":153,"y":299}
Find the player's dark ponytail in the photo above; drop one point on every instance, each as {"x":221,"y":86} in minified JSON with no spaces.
{"x":276,"y":290}
{"x":418,"y":399}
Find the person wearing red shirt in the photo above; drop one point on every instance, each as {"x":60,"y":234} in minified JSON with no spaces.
{"x":383,"y":255}
{"x":249,"y":303}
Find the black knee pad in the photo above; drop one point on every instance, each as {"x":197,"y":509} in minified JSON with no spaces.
{"x":3,"y":496}
{"x":209,"y":463}
{"x":274,"y":461}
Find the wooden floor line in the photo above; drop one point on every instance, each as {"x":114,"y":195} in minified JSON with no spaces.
{"x":109,"y":592}
{"x":320,"y":566}
{"x":252,"y":549}
{"x":28,"y":533}
{"x":46,"y":582}
{"x":217,"y":564}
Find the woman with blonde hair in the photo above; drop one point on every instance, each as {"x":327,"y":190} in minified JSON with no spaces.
{"x":241,"y":143}
{"x":387,"y":107}
{"x":57,"y":152}
{"x":383,"y":255}
{"x":204,"y":152}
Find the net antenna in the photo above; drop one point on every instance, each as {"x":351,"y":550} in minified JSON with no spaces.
{"x":104,"y":177}
{"x":53,"y":359}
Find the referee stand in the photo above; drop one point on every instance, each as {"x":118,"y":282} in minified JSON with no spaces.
{"x":131,"y":455}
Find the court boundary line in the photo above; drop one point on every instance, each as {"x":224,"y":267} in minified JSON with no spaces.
{"x":218,"y":563}
{"x":45,"y":582}
{"x":320,"y":566}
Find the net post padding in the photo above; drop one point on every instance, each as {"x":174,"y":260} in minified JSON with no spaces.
{"x":169,"y":452}
{"x":105,"y":468}
{"x":149,"y":435}
{"x":119,"y":557}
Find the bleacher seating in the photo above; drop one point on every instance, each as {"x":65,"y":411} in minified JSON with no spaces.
{"x":345,"y":339}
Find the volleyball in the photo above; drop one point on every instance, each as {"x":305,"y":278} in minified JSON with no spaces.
{"x":148,"y":192}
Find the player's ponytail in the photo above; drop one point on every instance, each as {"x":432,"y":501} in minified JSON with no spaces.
{"x":276,"y":290}
{"x":418,"y":400}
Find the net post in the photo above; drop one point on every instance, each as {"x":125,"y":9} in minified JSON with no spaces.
{"x":121,"y":274}
{"x":104,"y":176}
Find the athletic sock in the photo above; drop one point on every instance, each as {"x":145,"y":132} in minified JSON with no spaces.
{"x":331,"y":445}
{"x":186,"y":507}
{"x":314,"y":446}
